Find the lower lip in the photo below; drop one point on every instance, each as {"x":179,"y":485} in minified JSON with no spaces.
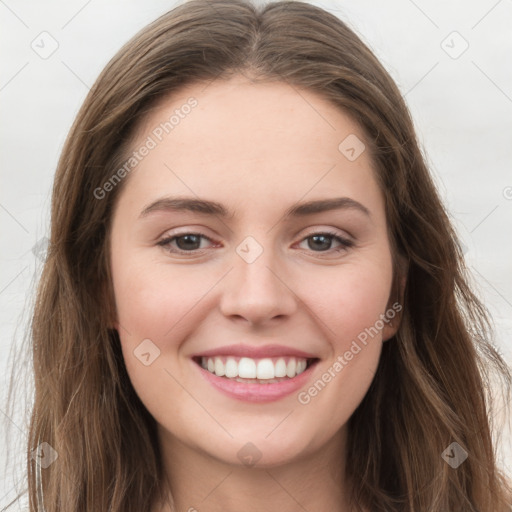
{"x":257,"y":392}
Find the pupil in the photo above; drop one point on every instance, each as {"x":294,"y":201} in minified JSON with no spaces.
{"x":190,"y":242}
{"x":324,"y":242}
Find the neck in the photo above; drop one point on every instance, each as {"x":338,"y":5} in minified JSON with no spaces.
{"x":199,"y":482}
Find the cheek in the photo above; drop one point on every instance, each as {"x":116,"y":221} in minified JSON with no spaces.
{"x":152,"y":299}
{"x":350,"y":299}
{"x":348,"y":302}
{"x":156,"y":306}
{"x":350,"y":307}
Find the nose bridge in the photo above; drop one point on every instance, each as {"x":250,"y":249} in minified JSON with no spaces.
{"x":255,"y":289}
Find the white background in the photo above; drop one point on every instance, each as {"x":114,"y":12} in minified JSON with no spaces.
{"x":462,"y":109}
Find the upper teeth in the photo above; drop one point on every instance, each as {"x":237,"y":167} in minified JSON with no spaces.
{"x":248,"y":368}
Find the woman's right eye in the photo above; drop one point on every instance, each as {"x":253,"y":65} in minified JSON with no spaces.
{"x":185,"y":243}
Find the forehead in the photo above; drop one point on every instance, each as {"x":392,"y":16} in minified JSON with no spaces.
{"x":249,"y":140}
{"x":227,"y":111}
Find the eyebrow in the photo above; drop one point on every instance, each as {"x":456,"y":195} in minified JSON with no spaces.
{"x":207,"y":207}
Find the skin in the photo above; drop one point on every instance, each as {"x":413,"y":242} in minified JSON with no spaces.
{"x":257,"y":149}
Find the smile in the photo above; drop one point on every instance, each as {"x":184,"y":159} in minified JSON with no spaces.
{"x":256,"y":380}
{"x":266,"y":369}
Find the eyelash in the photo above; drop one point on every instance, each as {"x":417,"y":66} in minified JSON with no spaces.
{"x":344,"y":242}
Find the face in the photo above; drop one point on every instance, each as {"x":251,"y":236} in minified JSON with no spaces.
{"x":251,"y":270}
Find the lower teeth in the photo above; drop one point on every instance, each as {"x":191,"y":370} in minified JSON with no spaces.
{"x":257,"y":381}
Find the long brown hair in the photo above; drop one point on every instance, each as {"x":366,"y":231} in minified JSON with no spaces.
{"x":430,"y":389}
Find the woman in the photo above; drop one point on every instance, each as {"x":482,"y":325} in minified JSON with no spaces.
{"x":254,"y":298}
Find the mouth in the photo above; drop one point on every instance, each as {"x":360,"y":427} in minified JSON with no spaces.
{"x":256,"y":380}
{"x":268,"y":370}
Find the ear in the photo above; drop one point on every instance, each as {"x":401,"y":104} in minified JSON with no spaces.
{"x":394,"y":311}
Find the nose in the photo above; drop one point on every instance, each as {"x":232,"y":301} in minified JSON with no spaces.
{"x":258,"y":292}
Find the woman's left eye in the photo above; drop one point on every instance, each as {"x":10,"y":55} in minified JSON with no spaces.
{"x":323,"y":242}
{"x":317,"y":242}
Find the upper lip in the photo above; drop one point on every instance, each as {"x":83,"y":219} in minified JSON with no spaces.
{"x":259,"y":352}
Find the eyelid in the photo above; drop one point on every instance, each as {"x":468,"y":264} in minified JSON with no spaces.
{"x":167,"y":239}
{"x":336,"y":232}
{"x":188,"y":230}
